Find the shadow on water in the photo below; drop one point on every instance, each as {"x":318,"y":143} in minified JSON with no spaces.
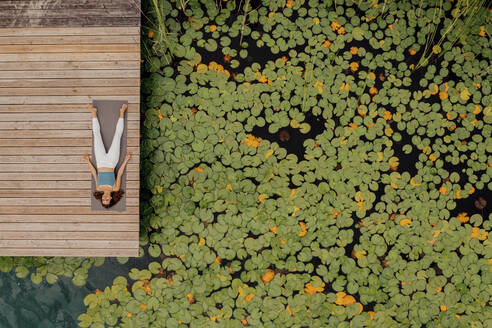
{"x":24,"y":304}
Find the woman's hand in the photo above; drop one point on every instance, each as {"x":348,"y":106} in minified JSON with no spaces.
{"x":86,"y":157}
{"x":128,"y":156}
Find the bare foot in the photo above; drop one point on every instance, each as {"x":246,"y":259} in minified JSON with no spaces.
{"x":123,"y":108}
{"x":93,"y":110}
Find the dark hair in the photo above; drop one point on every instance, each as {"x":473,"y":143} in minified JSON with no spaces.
{"x":115,"y":197}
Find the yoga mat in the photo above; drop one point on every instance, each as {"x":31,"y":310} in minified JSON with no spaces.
{"x":108,"y":113}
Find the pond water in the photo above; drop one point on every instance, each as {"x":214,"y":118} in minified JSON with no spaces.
{"x":24,"y":304}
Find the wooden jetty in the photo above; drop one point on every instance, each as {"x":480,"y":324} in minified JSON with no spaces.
{"x":56,"y":56}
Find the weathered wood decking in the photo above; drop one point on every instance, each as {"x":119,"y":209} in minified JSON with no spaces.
{"x":48,"y":75}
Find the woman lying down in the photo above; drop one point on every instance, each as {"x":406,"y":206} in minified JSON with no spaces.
{"x":108,"y":188}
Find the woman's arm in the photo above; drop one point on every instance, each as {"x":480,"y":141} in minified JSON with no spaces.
{"x":117,"y":185}
{"x":91,"y":167}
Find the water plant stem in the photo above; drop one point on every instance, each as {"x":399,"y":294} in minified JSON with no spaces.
{"x":246,"y":6}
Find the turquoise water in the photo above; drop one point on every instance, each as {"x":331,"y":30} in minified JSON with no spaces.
{"x":24,"y":304}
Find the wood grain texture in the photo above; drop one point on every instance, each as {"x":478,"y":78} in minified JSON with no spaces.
{"x":68,"y":82}
{"x":46,"y":184}
{"x":74,"y":210}
{"x":48,"y":75}
{"x":134,"y":109}
{"x":71,"y":39}
{"x":53,"y":56}
{"x":56,"y":31}
{"x":52,"y":193}
{"x":29,"y":13}
{"x":57,"y":201}
{"x":66,"y":48}
{"x":69,"y":21}
{"x":77,"y":74}
{"x":54,"y":167}
{"x":29,"y":226}
{"x":59,"y":176}
{"x":7,"y":100}
{"x":57,"y":117}
{"x":7,"y":134}
{"x":66,"y":142}
{"x":123,"y":91}
{"x":50,"y":4}
{"x":71,"y":235}
{"x":69,"y":13}
{"x":67,"y":65}
{"x":49,"y":159}
{"x":59,"y":243}
{"x":68,"y":125}
{"x":61,"y":218}
{"x":93,"y":252}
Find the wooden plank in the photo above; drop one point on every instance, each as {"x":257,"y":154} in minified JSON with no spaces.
{"x":19,"y":4}
{"x":70,"y":235}
{"x":61,"y":218}
{"x":54,"y":168}
{"x":66,"y":48}
{"x":41,"y":185}
{"x":72,"y":91}
{"x":85,"y":116}
{"x":88,"y":30}
{"x":17,"y":125}
{"x":68,"y":65}
{"x":53,"y":159}
{"x":67,"y":4}
{"x":66,"y":142}
{"x":71,"y":39}
{"x":70,"y":83}
{"x":7,"y":134}
{"x":68,"y":125}
{"x":58,"y":201}
{"x":60,"y":243}
{"x":60,"y":193}
{"x":61,"y":210}
{"x":84,"y":21}
{"x":72,"y":176}
{"x":70,"y":226}
{"x":7,"y":100}
{"x":94,"y":252}
{"x":43,"y":150}
{"x":133,"y":109}
{"x":81,"y":12}
{"x":79,"y":235}
{"x":53,"y":56}
{"x":71,"y":74}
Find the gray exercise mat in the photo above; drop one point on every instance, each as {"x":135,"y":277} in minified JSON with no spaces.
{"x":108,"y":113}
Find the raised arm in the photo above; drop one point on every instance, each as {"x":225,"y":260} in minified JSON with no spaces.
{"x":91,"y":167}
{"x":117,"y":184}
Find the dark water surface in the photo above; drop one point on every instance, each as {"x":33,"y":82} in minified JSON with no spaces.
{"x":24,"y":304}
